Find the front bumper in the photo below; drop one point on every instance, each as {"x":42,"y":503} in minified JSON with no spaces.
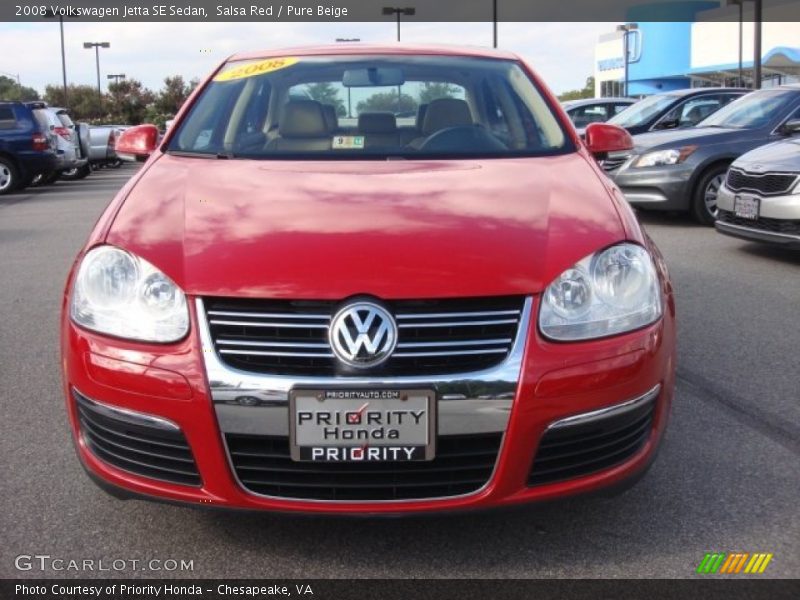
{"x":656,"y":188}
{"x":556,"y":382}
{"x":778,"y":219}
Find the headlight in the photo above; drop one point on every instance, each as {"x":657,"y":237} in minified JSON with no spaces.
{"x":122,"y":295}
{"x":664,"y":157}
{"x":609,"y":292}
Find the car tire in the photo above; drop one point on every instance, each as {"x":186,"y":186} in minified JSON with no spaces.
{"x":704,"y":198}
{"x":9,"y":176}
{"x":76,"y":173}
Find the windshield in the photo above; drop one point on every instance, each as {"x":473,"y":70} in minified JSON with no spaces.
{"x":642,"y":111}
{"x":752,"y":111}
{"x":370,"y":107}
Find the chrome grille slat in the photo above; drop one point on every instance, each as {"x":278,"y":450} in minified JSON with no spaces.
{"x":269,"y":324}
{"x":450,"y":353}
{"x":434,"y":337}
{"x":455,"y":315}
{"x":503,"y":341}
{"x":262,"y":315}
{"x":266,"y":353}
{"x":458,"y":323}
{"x":226,"y":342}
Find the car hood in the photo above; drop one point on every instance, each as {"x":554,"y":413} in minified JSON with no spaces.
{"x":394,"y":229}
{"x":675,"y":138}
{"x":778,"y":156}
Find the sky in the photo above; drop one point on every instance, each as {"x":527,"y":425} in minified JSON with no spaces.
{"x":562,"y":53}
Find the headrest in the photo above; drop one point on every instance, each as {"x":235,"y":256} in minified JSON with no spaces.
{"x":377,"y":122}
{"x":329,"y":111}
{"x":422,"y":110}
{"x":446,"y":112}
{"x":302,"y":119}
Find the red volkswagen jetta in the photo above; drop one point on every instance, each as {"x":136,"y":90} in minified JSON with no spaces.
{"x":368,"y":280}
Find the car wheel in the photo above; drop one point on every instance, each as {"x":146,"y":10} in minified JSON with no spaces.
{"x":9,"y":176}
{"x":704,"y":202}
{"x":76,"y":173}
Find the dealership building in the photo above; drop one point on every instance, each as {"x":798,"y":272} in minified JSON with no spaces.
{"x":701,"y":51}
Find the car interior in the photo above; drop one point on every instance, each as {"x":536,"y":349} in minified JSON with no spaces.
{"x":480,"y":112}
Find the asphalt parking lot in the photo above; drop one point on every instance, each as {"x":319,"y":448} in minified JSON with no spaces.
{"x":727,"y":478}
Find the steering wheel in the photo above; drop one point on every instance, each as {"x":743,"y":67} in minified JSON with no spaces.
{"x":462,"y":138}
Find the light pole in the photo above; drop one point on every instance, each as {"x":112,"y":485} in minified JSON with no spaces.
{"x":494,"y":23}
{"x":757,"y":44}
{"x":97,"y":46}
{"x":394,"y":10}
{"x":116,"y":77}
{"x":51,"y":14}
{"x":626,"y":29}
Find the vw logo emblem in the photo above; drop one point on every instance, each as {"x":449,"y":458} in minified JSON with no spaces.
{"x":362,"y":334}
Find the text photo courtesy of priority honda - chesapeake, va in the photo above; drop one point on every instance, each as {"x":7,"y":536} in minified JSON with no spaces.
{"x":472,"y":299}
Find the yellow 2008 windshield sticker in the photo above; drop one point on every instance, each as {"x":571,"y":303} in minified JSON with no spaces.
{"x":256,"y":68}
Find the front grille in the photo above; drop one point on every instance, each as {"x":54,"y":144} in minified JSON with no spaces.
{"x":785,"y":226}
{"x":581,"y":449}
{"x":290,"y":337}
{"x":767,"y":184}
{"x":463,"y":464}
{"x":612,"y":162}
{"x":147,"y":451}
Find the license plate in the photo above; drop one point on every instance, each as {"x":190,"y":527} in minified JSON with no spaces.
{"x":362,"y":425}
{"x":746,"y":207}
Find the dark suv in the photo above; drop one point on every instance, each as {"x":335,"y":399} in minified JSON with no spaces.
{"x":25,"y":150}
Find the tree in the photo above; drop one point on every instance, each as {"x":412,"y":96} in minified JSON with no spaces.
{"x":388,"y":101}
{"x":11,"y":90}
{"x":128,"y":101}
{"x":172,"y":96}
{"x":83,"y":101}
{"x":431,"y":90}
{"x":586,"y":92}
{"x":325,"y":93}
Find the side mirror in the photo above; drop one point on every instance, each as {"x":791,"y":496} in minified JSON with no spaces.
{"x":602,"y":138}
{"x":667,"y":124}
{"x":137,"y":143}
{"x":791,"y":127}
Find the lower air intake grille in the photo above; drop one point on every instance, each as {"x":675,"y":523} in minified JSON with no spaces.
{"x":463,"y":464}
{"x":786,"y":226}
{"x":577,"y":450}
{"x":147,"y":451}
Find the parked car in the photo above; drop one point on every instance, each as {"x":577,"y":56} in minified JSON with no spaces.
{"x":80,"y":137}
{"x":673,"y":110}
{"x":62,"y":137}
{"x":102,"y":141}
{"x":275,"y":316}
{"x":595,"y":110}
{"x":684,"y":169}
{"x":25,"y":149}
{"x":760,"y":198}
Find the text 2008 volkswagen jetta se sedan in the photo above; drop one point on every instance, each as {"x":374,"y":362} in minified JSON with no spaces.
{"x":309,"y":299}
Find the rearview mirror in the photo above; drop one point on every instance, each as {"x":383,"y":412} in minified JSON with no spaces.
{"x":602,"y":138}
{"x":373,"y":77}
{"x":137,"y":143}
